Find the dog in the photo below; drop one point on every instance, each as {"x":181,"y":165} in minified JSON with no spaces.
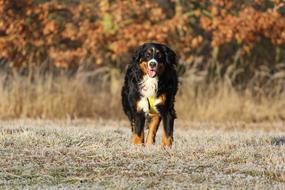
{"x":148,"y":92}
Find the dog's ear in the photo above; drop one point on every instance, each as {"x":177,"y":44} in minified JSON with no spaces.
{"x":170,"y":56}
{"x":138,"y":54}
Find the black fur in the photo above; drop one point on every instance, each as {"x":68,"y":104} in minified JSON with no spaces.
{"x":167,"y":84}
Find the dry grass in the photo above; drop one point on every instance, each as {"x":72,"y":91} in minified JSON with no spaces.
{"x":76,"y":97}
{"x":226,"y":104}
{"x":214,"y":91}
{"x":49,"y":96}
{"x":85,"y":154}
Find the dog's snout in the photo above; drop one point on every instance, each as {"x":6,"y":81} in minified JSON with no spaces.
{"x":152,"y":64}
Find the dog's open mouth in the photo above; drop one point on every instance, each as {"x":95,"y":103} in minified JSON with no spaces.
{"x":151,"y":72}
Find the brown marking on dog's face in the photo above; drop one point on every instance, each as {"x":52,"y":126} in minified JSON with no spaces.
{"x":143,"y":67}
{"x":166,"y":140}
{"x":153,"y":126}
{"x":158,"y":53}
{"x":149,"y":52}
{"x":153,"y":53}
{"x":138,"y":139}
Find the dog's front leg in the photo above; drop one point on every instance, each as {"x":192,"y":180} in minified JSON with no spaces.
{"x":138,"y":131}
{"x":152,"y":129}
{"x":167,"y":118}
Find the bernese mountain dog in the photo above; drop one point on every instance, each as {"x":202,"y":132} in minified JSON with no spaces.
{"x":148,"y":93}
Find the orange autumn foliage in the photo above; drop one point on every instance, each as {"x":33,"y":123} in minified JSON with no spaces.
{"x":103,"y":32}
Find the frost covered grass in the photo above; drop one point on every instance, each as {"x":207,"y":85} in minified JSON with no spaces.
{"x":88,"y":154}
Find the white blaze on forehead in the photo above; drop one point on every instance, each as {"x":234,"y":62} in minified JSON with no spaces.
{"x":153,"y":51}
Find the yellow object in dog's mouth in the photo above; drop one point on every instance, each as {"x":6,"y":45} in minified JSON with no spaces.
{"x":152,"y":109}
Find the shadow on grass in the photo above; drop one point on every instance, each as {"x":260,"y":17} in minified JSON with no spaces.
{"x":279,"y":141}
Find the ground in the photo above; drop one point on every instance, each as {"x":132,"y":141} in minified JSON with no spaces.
{"x":87,"y":154}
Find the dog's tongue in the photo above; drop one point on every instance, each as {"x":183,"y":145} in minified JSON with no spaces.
{"x":151,"y":73}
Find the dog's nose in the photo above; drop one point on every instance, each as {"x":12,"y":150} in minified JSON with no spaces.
{"x":152,"y":64}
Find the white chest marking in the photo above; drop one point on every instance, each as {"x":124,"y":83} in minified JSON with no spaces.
{"x":143,"y":105}
{"x":149,"y":86}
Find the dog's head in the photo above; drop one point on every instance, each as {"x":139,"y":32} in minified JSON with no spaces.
{"x":153,"y":59}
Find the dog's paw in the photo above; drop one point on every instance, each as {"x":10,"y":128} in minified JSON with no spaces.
{"x":143,"y":105}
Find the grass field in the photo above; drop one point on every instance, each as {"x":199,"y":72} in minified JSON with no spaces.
{"x":87,"y":154}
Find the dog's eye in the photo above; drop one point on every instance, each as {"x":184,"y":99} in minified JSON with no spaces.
{"x":147,"y":55}
{"x":158,"y":54}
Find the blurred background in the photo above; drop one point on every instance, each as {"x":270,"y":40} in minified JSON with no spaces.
{"x":67,"y":58}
